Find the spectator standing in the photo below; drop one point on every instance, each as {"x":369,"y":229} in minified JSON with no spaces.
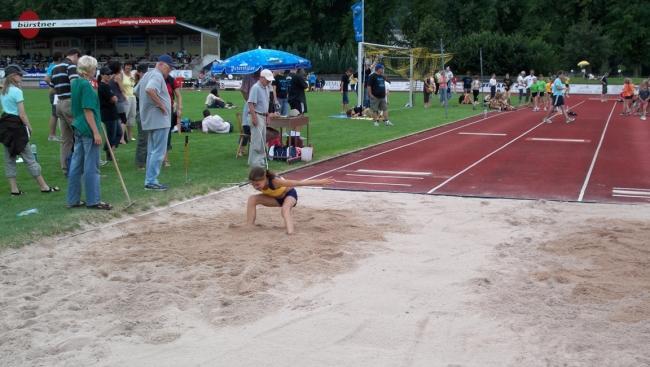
{"x":87,"y":139}
{"x":427,"y":89}
{"x":345,"y":87}
{"x":521,"y":85}
{"x":247,"y":83}
{"x":312,"y":81}
{"x":15,"y":131}
{"x":174,"y":90}
{"x":628,"y":94}
{"x":141,"y":144}
{"x":493,"y":85}
{"x":56,"y":58}
{"x":108,"y":107}
{"x":377,"y":95}
{"x":436,"y":79}
{"x":155,"y":113}
{"x":297,"y":98}
{"x":281,"y":85}
{"x":128,"y":82}
{"x":604,"y":84}
{"x":644,"y":96}
{"x":467,"y":83}
{"x":507,"y":83}
{"x":528,"y":80}
{"x":258,"y":107}
{"x":62,"y":76}
{"x":122,"y":104}
{"x":476,"y":88}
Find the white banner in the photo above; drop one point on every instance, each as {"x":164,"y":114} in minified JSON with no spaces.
{"x":61,"y":23}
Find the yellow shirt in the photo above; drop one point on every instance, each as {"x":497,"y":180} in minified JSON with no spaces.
{"x":127,"y":85}
{"x":274,"y":192}
{"x":549,"y":85}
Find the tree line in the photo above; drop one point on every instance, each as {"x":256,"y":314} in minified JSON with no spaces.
{"x":513,"y":34}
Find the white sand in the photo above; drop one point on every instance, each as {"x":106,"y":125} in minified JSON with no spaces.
{"x":370,"y":279}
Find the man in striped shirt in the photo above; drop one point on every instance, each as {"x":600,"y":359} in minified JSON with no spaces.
{"x":62,"y":75}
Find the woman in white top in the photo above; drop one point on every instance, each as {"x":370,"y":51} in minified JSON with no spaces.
{"x":493,"y":85}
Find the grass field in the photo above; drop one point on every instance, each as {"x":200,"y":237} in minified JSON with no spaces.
{"x":212,"y":161}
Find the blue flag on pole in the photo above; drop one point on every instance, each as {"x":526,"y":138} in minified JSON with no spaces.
{"x":357,"y":21}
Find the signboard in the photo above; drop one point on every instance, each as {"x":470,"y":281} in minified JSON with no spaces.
{"x":128,"y":22}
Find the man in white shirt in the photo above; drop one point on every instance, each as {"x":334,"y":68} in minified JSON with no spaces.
{"x":214,"y":124}
{"x":521,"y":85}
{"x":529,"y":82}
{"x":258,"y":108}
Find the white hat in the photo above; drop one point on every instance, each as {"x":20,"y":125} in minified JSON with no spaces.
{"x":267,"y":74}
{"x":294,"y":112}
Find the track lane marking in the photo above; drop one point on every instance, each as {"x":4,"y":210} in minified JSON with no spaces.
{"x":631,"y":192}
{"x":593,"y":161}
{"x":411,"y":143}
{"x":406,"y":173}
{"x":482,"y":134}
{"x":629,"y":188}
{"x":386,"y":176}
{"x":560,"y":140}
{"x":373,"y":183}
{"x":493,"y":153}
{"x":632,"y":196}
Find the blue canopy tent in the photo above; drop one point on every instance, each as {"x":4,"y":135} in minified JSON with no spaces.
{"x":250,"y":61}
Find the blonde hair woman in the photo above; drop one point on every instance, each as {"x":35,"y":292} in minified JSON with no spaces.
{"x":15,"y":131}
{"x":87,"y":139}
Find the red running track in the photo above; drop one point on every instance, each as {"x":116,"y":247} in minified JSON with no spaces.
{"x":601,"y":157}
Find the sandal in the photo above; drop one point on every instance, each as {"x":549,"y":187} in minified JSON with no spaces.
{"x":101,"y":206}
{"x":20,"y":192}
{"x":77,"y":205}
{"x":51,"y":189}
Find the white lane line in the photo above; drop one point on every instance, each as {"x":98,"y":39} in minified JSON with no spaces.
{"x":491,"y":154}
{"x":409,"y":144}
{"x":406,"y":173}
{"x":372,"y":183}
{"x":632,"y":196}
{"x":593,"y":161}
{"x":629,"y":188}
{"x":631,"y":192}
{"x":385,"y":176}
{"x":561,"y":140}
{"x":482,"y":134}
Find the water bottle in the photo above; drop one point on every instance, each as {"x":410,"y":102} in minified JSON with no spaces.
{"x":34,"y":151}
{"x":27,"y":212}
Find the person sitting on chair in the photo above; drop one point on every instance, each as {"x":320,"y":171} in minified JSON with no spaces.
{"x":214,"y":124}
{"x":212,"y":100}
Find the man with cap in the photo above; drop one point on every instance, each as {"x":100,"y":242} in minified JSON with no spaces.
{"x":258,"y":107}
{"x":155,"y":109}
{"x":377,"y":94}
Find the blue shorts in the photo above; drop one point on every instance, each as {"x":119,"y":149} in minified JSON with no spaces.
{"x":345,"y":98}
{"x":293,"y":193}
{"x":558,"y":101}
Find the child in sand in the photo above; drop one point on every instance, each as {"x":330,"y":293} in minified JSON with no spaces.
{"x":276,"y":192}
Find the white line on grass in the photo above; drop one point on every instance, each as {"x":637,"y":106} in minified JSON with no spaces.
{"x":593,"y":161}
{"x":409,"y":144}
{"x":490,"y":154}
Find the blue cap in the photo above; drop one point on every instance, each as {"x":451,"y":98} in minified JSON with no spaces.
{"x":379,"y":66}
{"x":167,"y":60}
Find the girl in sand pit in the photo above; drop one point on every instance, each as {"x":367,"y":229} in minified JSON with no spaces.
{"x":276,"y":192}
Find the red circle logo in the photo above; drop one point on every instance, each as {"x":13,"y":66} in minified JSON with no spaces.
{"x":27,"y":32}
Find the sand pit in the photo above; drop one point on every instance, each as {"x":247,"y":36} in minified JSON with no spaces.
{"x":370,"y":279}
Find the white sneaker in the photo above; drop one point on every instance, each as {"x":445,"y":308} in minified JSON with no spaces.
{"x":53,"y":138}
{"x":570,"y":120}
{"x":376,"y":123}
{"x":547,"y":120}
{"x":643,"y":117}
{"x":388,"y":123}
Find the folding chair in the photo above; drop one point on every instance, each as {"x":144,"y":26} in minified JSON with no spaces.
{"x":242,"y":136}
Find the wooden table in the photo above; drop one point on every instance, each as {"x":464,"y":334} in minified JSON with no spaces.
{"x":291,"y":123}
